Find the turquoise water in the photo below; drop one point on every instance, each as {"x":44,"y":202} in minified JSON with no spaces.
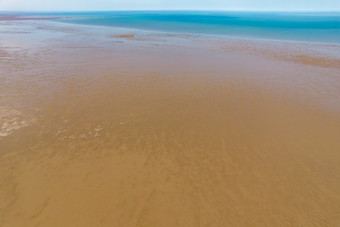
{"x":306,"y":27}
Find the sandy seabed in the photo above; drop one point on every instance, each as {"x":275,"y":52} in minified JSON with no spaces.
{"x":116,"y":127}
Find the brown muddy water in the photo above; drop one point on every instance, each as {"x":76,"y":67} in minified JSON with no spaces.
{"x":113,"y":127}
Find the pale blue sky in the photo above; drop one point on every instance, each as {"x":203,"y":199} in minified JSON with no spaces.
{"x":261,"y":5}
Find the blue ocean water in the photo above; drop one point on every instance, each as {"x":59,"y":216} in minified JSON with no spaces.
{"x":303,"y":26}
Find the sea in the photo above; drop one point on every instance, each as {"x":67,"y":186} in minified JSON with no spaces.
{"x":319,"y":27}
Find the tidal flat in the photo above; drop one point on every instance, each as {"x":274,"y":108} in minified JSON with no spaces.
{"x":122,"y":127}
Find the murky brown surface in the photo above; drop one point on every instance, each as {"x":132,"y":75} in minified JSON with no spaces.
{"x":165,"y":130}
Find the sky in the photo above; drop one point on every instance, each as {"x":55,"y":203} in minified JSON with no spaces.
{"x":97,"y":5}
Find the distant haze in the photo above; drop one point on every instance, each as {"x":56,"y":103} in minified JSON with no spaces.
{"x":97,"y":5}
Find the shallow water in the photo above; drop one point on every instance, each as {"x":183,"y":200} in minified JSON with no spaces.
{"x":319,"y":27}
{"x":110,"y":127}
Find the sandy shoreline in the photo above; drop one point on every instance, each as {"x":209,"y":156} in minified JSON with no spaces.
{"x":114,"y":127}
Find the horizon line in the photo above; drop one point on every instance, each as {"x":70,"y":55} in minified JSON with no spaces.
{"x":192,"y":10}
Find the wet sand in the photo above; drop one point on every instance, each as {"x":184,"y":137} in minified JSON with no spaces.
{"x":114,"y":127}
